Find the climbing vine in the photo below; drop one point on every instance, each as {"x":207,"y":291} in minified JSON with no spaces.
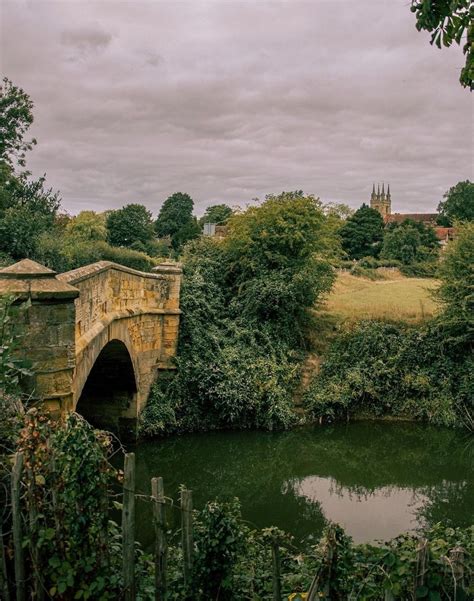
{"x":67,"y":478}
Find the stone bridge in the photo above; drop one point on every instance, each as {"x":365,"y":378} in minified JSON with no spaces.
{"x":96,"y":337}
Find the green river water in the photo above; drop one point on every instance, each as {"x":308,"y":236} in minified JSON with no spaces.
{"x":377,"y":479}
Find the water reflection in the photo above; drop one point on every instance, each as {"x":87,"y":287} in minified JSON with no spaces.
{"x":388,"y":510}
{"x":377,"y":479}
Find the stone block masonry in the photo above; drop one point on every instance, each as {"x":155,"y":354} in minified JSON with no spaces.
{"x":84,"y":324}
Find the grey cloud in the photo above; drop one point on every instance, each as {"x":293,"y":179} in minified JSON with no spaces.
{"x":86,"y":39}
{"x":233,"y":100}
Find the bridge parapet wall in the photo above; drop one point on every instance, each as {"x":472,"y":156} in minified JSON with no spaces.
{"x":110,"y":291}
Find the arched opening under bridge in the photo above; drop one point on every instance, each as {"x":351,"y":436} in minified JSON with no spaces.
{"x":108,"y":399}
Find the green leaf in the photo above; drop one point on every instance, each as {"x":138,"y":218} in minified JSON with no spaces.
{"x":421,"y":591}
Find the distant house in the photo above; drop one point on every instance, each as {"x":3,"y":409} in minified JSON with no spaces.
{"x":426,"y":218}
{"x":215,"y":230}
{"x":445,"y":234}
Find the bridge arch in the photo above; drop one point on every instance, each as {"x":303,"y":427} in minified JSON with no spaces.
{"x":108,"y":397}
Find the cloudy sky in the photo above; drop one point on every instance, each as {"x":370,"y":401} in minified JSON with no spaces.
{"x":230,"y":100}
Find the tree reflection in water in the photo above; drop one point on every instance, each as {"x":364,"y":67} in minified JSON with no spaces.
{"x":406,"y":474}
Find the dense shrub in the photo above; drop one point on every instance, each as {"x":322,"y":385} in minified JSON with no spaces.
{"x":244,"y":304}
{"x":234,"y":562}
{"x":457,"y":285}
{"x":379,"y":368}
{"x":63,"y":254}
{"x":426,"y":269}
{"x":365,"y":272}
{"x":373,"y":263}
{"x":220,"y":542}
{"x":5,"y":259}
{"x":410,"y":242}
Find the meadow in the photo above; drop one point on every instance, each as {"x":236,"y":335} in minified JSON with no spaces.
{"x":394,"y":297}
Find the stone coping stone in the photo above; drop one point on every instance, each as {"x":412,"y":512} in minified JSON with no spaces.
{"x":26,"y":269}
{"x":28,"y":279}
{"x":82,"y":273}
{"x":38,"y":289}
{"x":168,"y":267}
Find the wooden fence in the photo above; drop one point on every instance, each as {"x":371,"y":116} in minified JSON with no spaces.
{"x":321,"y":587}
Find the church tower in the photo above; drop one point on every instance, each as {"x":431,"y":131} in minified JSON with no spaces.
{"x":381,"y":201}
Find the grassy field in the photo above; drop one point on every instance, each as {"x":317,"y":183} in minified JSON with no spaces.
{"x":394,"y":297}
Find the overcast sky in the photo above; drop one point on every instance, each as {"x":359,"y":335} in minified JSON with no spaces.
{"x":229,"y":100}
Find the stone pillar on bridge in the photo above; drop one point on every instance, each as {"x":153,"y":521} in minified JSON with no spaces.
{"x":173,"y":273}
{"x":48,"y":325}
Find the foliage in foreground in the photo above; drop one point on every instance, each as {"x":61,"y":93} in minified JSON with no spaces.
{"x":233,"y":562}
{"x":74,"y":551}
{"x":448,"y":21}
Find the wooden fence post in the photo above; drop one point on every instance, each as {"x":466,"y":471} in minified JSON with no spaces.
{"x":4,"y":592}
{"x":276,"y":571}
{"x":19,"y":559}
{"x":321,"y":584}
{"x":187,"y":532}
{"x":422,"y":561}
{"x":456,"y":557}
{"x":161,"y":549}
{"x":128,"y":527}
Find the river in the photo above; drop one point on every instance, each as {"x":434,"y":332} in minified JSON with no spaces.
{"x":377,"y":479}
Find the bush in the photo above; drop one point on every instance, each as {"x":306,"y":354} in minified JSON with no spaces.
{"x":244,"y":303}
{"x":457,"y":286}
{"x":373,"y":263}
{"x":368,"y":263}
{"x":379,"y":368}
{"x":362,"y":272}
{"x":420,"y":270}
{"x":125,"y":256}
{"x":342,"y":264}
{"x":63,"y":254}
{"x":220,"y":542}
{"x":5,"y":259}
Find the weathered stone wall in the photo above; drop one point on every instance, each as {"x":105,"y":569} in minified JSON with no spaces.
{"x":48,"y":328}
{"x":141,"y":310}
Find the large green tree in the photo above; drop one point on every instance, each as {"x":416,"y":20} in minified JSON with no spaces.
{"x":362,"y":233}
{"x":16,"y":116}
{"x":87,"y":226}
{"x":276,"y":259}
{"x":448,"y":21}
{"x":218,"y":214}
{"x":458,"y":204}
{"x":176,"y":220}
{"x":28,"y":212}
{"x":410,"y":242}
{"x":27,"y":208}
{"x":130,"y":224}
{"x":457,"y":284}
